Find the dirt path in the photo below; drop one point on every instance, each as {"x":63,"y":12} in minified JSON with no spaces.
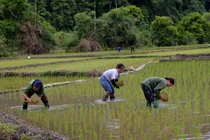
{"x":23,"y":129}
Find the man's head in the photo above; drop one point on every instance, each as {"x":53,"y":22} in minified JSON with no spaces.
{"x":170,"y":81}
{"x":37,"y":85}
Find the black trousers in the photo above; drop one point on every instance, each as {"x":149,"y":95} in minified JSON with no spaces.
{"x":132,"y":50}
{"x":148,"y":93}
{"x":44,"y":100}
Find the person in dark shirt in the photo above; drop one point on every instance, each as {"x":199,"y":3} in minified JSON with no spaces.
{"x":119,"y":49}
{"x":34,"y":86}
{"x":152,"y":86}
{"x":132,"y":49}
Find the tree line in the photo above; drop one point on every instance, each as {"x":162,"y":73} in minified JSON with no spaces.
{"x":28,"y":26}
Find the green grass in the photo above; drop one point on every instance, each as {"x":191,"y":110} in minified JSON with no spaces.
{"x":168,"y":53}
{"x":160,"y":52}
{"x":26,"y":61}
{"x":187,"y":114}
{"x":113,"y":52}
{"x":9,"y":131}
{"x":85,"y":120}
{"x":99,"y":64}
{"x":8,"y":128}
{"x":10,"y":83}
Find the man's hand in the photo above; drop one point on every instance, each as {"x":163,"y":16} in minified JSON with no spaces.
{"x":163,"y":97}
{"x":29,"y":100}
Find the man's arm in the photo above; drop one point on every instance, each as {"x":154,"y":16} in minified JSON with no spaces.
{"x":162,"y":98}
{"x":27,"y":98}
{"x":157,"y":92}
{"x":114,"y":83}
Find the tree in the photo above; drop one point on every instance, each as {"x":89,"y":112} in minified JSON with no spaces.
{"x":86,"y":32}
{"x":13,"y":13}
{"x":62,"y":14}
{"x":197,"y":25}
{"x":15,"y":9}
{"x":40,"y":7}
{"x":117,"y":27}
{"x":21,"y":31}
{"x":207,"y":5}
{"x":84,"y":25}
{"x":175,"y":9}
{"x":164,"y":31}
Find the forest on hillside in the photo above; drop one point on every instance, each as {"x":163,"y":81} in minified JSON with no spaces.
{"x":37,"y":26}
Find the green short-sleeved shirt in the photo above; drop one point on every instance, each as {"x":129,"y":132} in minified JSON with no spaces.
{"x":156,"y":84}
{"x":29,"y":89}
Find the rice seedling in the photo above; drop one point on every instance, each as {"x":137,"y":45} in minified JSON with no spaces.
{"x":99,"y":65}
{"x":27,"y":61}
{"x":10,"y":83}
{"x":184,"y":116}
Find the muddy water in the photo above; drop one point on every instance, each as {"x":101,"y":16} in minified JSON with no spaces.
{"x":205,"y":135}
{"x":78,"y":115}
{"x":118,"y":99}
{"x":169,"y":106}
{"x":111,"y":125}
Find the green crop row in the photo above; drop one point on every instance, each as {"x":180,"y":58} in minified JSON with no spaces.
{"x":31,"y":61}
{"x":158,"y":52}
{"x":184,"y":116}
{"x":10,"y":83}
{"x":169,"y":53}
{"x":99,"y":65}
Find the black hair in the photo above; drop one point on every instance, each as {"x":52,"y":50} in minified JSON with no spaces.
{"x":171,"y":80}
{"x":119,"y":66}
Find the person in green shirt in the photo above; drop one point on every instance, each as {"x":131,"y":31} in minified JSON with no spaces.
{"x":34,"y":86}
{"x":152,"y":86}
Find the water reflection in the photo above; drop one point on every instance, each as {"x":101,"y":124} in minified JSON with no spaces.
{"x":118,"y":99}
{"x":169,"y":106}
{"x":112,"y":125}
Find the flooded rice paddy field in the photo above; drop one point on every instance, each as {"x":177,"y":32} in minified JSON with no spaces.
{"x":78,"y":113}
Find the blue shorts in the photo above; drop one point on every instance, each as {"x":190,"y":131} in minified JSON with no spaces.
{"x":106,"y":85}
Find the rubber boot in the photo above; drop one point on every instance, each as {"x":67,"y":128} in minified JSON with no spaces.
{"x":155,"y":103}
{"x":106,"y":96}
{"x":148,"y":104}
{"x":112,"y":97}
{"x":47,"y":105}
{"x":25,"y":106}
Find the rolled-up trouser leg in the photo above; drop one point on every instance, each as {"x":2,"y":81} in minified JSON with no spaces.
{"x":149,"y":96}
{"x":107,"y":87}
{"x":45,"y":101}
{"x":25,"y":104}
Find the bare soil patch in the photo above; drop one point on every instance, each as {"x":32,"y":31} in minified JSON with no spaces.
{"x":23,"y":128}
{"x":181,"y":57}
